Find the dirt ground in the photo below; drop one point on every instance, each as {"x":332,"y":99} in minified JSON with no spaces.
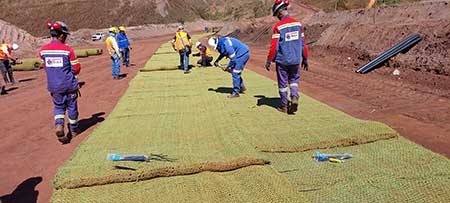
{"x":416,"y":103}
{"x":31,"y":152}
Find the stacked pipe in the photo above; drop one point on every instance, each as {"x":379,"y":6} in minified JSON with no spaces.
{"x":402,"y":47}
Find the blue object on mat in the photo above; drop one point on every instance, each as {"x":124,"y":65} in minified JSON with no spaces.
{"x":118,"y":157}
{"x":325,"y":157}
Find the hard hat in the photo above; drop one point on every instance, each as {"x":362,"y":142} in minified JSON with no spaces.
{"x":15,"y":46}
{"x":58,"y":28}
{"x":197,"y":44}
{"x":122,"y":28}
{"x":113,"y":29}
{"x":180,"y":27}
{"x":212,"y":42}
{"x":279,"y":5}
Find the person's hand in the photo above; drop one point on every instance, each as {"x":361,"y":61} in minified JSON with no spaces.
{"x":267,"y":66}
{"x":225,"y":68}
{"x":305,"y":65}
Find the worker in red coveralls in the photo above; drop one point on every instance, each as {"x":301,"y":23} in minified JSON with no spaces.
{"x":288,"y":50}
{"x":61,"y":66}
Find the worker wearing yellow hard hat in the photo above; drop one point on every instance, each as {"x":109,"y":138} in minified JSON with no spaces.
{"x":113,"y":51}
{"x":124,"y":46}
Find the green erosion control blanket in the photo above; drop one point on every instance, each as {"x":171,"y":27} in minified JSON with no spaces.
{"x":207,"y":148}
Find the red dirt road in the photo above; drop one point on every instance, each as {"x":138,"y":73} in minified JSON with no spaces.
{"x":30,"y":151}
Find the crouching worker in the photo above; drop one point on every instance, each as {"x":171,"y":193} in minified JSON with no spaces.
{"x":204,"y":53}
{"x":238,"y":53}
{"x":61,"y":66}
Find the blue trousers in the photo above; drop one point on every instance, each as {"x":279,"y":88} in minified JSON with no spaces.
{"x":184,"y":59}
{"x":63,"y":102}
{"x":236,"y":72}
{"x":115,"y":65}
{"x":126,"y":56}
{"x":287,"y":75}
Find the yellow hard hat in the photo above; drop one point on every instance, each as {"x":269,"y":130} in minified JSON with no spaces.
{"x":113,"y":29}
{"x":122,"y":28}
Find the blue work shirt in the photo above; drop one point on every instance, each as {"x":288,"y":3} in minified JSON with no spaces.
{"x":122,"y":41}
{"x":231,"y":48}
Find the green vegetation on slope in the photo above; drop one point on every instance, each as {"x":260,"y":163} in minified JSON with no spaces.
{"x":186,"y":120}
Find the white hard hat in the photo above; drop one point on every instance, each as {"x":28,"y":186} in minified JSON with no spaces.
{"x":198,"y":44}
{"x":212,"y":42}
{"x":15,"y":46}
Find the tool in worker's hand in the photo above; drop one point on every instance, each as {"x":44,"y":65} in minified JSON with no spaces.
{"x":331,"y":157}
{"x":224,"y":68}
{"x":118,"y":157}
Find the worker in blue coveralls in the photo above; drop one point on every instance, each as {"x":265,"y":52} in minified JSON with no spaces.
{"x":238,"y":53}
{"x":124,"y":46}
{"x":62,"y":66}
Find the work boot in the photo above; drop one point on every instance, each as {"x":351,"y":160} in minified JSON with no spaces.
{"x":293,"y":107}
{"x":59,"y":131}
{"x":75,"y":132}
{"x":233,"y":95}
{"x":2,"y":90}
{"x":282,"y":109}
{"x":243,"y":89}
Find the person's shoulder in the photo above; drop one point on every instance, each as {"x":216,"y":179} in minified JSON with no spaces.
{"x":68,"y":48}
{"x":48,"y":46}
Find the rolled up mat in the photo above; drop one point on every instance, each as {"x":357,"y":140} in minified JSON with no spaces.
{"x":93,"y":52}
{"x":28,"y":64}
{"x":81,"y":53}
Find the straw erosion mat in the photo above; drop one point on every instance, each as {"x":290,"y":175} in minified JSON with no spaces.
{"x":204,"y":147}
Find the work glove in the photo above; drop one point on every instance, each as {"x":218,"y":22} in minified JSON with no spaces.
{"x":267,"y":66}
{"x":305,"y":65}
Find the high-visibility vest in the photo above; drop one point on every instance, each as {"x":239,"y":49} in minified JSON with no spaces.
{"x":181,"y":40}
{"x":111,"y":46}
{"x":3,"y":54}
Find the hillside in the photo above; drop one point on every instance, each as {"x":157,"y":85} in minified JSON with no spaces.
{"x":104,"y":13}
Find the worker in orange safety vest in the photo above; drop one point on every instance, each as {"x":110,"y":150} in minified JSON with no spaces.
{"x":5,"y":64}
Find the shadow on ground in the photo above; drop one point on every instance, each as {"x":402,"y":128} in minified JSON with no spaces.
{"x":25,"y":192}
{"x":11,"y":89}
{"x":26,"y":80}
{"x":267,"y":101}
{"x":87,"y":123}
{"x":222,"y":90}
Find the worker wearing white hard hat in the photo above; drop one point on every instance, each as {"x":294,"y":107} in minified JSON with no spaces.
{"x":182,"y":43}
{"x":6,"y":58}
{"x":204,"y":53}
